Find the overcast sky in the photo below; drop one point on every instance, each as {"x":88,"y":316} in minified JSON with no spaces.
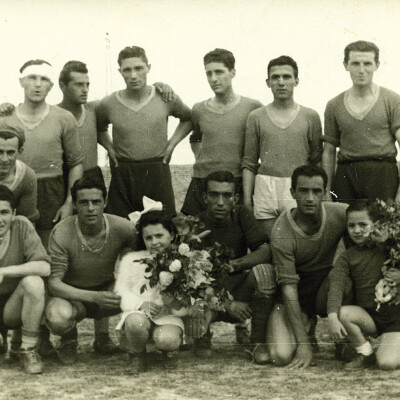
{"x":177,"y":33}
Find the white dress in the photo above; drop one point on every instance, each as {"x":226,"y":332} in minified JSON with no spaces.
{"x":130,"y":277}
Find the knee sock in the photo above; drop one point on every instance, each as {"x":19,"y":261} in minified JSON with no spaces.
{"x":365,"y":349}
{"x":29,"y":339}
{"x":261,"y":309}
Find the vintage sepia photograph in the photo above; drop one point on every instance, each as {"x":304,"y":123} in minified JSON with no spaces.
{"x":200,"y":200}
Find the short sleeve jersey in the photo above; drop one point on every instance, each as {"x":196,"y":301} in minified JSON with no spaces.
{"x":369,"y":136}
{"x":294,"y":252}
{"x":73,"y":261}
{"x":139,"y":132}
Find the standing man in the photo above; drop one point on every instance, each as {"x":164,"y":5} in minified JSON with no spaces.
{"x":284,"y":135}
{"x":219,"y":126}
{"x":51,"y":136}
{"x":74,"y":84}
{"x":83,"y":250}
{"x":15,"y":174}
{"x":303,"y":242}
{"x":363,"y":122}
{"x":140,"y":136}
{"x":23,"y":263}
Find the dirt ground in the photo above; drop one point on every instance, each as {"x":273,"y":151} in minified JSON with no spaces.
{"x":228,"y":374}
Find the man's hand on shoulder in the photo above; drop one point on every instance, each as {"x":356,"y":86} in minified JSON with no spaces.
{"x":167,"y":94}
{"x":6,"y":109}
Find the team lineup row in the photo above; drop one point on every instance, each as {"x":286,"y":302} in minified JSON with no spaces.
{"x":230,"y":133}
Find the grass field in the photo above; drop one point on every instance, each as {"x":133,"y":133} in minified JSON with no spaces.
{"x":229,"y":374}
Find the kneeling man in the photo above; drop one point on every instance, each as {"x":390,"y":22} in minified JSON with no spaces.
{"x":84,"y":249}
{"x":23,"y":263}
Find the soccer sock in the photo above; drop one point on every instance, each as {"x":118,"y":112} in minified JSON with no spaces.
{"x":365,"y":349}
{"x":261,"y":309}
{"x":29,"y":339}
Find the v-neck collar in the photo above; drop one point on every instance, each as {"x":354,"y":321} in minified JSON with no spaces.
{"x":31,"y":126}
{"x":84,"y":241}
{"x":314,"y":236}
{"x":225,"y":110}
{"x":141,"y":105}
{"x":360,"y":116}
{"x":277,"y":123}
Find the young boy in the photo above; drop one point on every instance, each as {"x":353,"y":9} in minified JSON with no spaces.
{"x":362,"y":263}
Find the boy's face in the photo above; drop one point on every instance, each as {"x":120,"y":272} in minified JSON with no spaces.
{"x":219,"y":77}
{"x":359,"y":226}
{"x":282,"y":82}
{"x":361,"y":66}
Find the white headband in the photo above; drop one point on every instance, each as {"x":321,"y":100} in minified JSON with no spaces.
{"x":42,"y":70}
{"x":148,"y":205}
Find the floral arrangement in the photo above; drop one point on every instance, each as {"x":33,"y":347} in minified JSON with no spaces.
{"x":387,"y":232}
{"x":186,"y":272}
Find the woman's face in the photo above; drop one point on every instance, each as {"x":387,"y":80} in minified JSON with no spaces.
{"x":156,"y":238}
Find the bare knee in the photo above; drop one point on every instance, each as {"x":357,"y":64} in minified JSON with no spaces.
{"x":281,"y":355}
{"x":167,"y":338}
{"x":137,"y":324}
{"x":59,"y":315}
{"x":33,"y":286}
{"x":388,"y":361}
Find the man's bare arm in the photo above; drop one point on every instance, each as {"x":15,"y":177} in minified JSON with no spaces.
{"x":182,"y":130}
{"x":303,"y":356}
{"x":329,"y":164}
{"x":248,"y":187}
{"x":261,"y":255}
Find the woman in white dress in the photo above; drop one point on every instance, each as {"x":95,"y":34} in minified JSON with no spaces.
{"x":145,"y":313}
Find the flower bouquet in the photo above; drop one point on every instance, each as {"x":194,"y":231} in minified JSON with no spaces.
{"x":386,"y":232}
{"x":186,"y":273}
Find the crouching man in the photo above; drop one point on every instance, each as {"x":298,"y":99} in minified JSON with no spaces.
{"x":23,"y":263}
{"x":252,"y":280}
{"x":84,"y":249}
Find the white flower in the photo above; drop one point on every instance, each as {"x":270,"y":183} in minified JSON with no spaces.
{"x":166,"y":278}
{"x":184,"y":249}
{"x":175,"y":266}
{"x":205,"y":254}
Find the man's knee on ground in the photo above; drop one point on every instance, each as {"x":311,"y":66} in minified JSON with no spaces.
{"x":281,"y":354}
{"x":60,"y":315}
{"x":387,"y":363}
{"x":167,"y":338}
{"x":33,"y":286}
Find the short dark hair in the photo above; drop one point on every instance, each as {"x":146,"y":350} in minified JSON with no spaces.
{"x":71,"y":66}
{"x":7,"y":195}
{"x":33,"y":62}
{"x":220,"y":55}
{"x":220,"y":176}
{"x":309,"y":170}
{"x":88,"y":183}
{"x":132,"y":51}
{"x":363,"y":46}
{"x":9,"y":130}
{"x":284,"y":60}
{"x":153,"y":218}
{"x":371,"y":206}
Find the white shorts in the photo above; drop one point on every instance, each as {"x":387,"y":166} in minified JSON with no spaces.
{"x":272,"y":196}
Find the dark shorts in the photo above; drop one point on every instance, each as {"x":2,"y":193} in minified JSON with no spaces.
{"x":372,"y":180}
{"x":387,"y":319}
{"x":194,"y":202}
{"x":3,"y":301}
{"x":51,"y":196}
{"x":93,"y":310}
{"x":132,"y":180}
